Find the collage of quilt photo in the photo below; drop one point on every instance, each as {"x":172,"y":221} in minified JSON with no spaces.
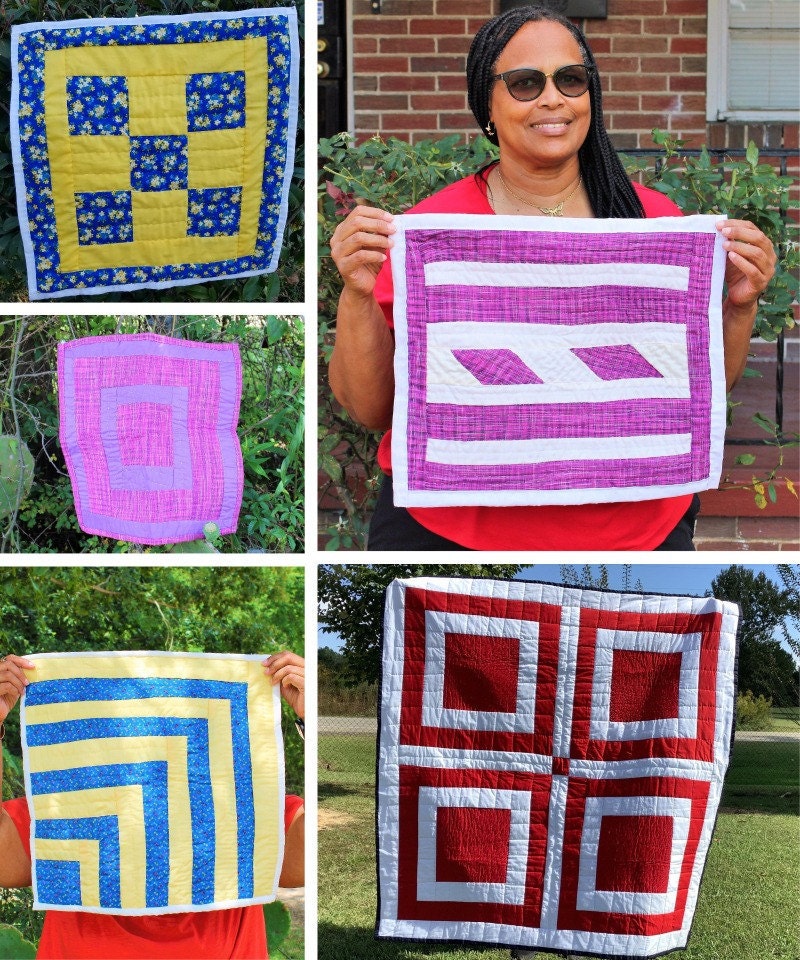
{"x":300,"y":301}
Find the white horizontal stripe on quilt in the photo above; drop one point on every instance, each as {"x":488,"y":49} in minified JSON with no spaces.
{"x":434,"y":713}
{"x":547,"y":350}
{"x":685,"y":724}
{"x":513,"y":890}
{"x":477,"y":273}
{"x":453,"y":758}
{"x":472,"y":452}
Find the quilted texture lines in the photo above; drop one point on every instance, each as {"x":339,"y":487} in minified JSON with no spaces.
{"x":154,"y":781}
{"x":551,"y":763}
{"x":567,"y":363}
{"x":148,"y":428}
{"x":188,"y":123}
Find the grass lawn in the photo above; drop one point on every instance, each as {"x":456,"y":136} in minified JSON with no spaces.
{"x":747,"y":908}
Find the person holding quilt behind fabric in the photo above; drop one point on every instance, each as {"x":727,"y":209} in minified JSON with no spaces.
{"x":238,"y":932}
{"x":534,"y":88}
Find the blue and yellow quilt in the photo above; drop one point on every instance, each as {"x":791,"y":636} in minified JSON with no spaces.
{"x":153,"y":151}
{"x":155,"y":782}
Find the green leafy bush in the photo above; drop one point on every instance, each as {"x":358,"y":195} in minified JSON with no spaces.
{"x":285,"y":285}
{"x":753,"y":713}
{"x":395,"y":175}
{"x":270,"y":429}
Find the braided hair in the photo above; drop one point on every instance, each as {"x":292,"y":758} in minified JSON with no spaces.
{"x":610,"y":191}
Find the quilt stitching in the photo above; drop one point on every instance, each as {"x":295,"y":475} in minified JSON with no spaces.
{"x":163,"y":115}
{"x":535,"y":365}
{"x":154,"y":782}
{"x":510,"y":708}
{"x":148,"y":428}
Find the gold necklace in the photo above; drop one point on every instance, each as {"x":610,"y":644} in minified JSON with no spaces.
{"x":557,"y":210}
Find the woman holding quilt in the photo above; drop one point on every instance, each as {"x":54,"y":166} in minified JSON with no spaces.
{"x":534,"y":88}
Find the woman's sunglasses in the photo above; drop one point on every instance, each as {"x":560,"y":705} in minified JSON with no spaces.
{"x":527,"y":83}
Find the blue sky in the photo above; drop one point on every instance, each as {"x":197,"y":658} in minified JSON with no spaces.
{"x":692,"y":579}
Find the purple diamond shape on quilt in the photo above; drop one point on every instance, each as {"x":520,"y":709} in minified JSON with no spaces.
{"x":616,"y":362}
{"x":148,"y":429}
{"x":496,"y":366}
{"x":541,"y":362}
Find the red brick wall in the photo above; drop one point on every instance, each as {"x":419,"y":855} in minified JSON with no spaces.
{"x":409,"y":65}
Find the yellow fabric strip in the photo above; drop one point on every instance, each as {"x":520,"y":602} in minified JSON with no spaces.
{"x":215,"y":158}
{"x":100,"y":163}
{"x":60,"y":157}
{"x":157,"y":105}
{"x":162,"y":60}
{"x":266,"y":775}
{"x":130,"y":665}
{"x":252,"y":164}
{"x":123,"y":802}
{"x":87,"y":853}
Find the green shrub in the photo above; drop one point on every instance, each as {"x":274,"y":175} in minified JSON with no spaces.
{"x":753,"y":713}
{"x":270,"y":429}
{"x":395,"y":175}
{"x":285,"y":285}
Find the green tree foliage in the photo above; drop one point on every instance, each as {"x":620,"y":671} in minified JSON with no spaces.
{"x":351,"y":605}
{"x":271,"y":429}
{"x":253,"y":610}
{"x":765,"y":668}
{"x":585,"y":577}
{"x":285,"y":285}
{"x":790,"y":578}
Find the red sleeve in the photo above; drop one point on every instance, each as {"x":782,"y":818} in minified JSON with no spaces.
{"x":290,"y":809}
{"x":656,"y":204}
{"x":18,"y":811}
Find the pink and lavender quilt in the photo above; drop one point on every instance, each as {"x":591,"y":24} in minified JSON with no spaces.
{"x":550,"y":764}
{"x":148,"y":430}
{"x":543,"y":361}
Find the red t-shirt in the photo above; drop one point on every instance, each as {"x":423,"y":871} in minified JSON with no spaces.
{"x":641,"y":525}
{"x":238,"y":933}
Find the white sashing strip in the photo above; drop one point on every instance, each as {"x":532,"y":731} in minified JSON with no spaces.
{"x":480,"y":452}
{"x":547,"y":350}
{"x":477,"y":273}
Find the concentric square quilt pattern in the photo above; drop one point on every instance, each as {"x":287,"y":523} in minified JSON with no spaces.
{"x":153,"y":151}
{"x":154,"y":781}
{"x":148,"y":430}
{"x":546,"y":361}
{"x":550,"y":763}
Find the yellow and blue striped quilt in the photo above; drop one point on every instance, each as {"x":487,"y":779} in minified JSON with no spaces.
{"x":155,"y":782}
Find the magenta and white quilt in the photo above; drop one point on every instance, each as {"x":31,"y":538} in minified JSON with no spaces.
{"x":551,"y":762}
{"x":546,"y":361}
{"x":148,"y":429}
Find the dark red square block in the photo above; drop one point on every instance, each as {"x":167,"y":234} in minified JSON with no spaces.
{"x":634,"y":854}
{"x":472,"y":844}
{"x":480,"y":673}
{"x":644,"y":685}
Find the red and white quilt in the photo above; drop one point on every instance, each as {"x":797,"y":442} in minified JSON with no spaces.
{"x":551,"y":763}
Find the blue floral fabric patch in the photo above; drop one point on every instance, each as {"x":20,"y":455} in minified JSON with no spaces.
{"x":214,"y":213}
{"x":104,"y":217}
{"x":235,"y":158}
{"x":159,"y":163}
{"x":216,"y":101}
{"x":97,"y":105}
